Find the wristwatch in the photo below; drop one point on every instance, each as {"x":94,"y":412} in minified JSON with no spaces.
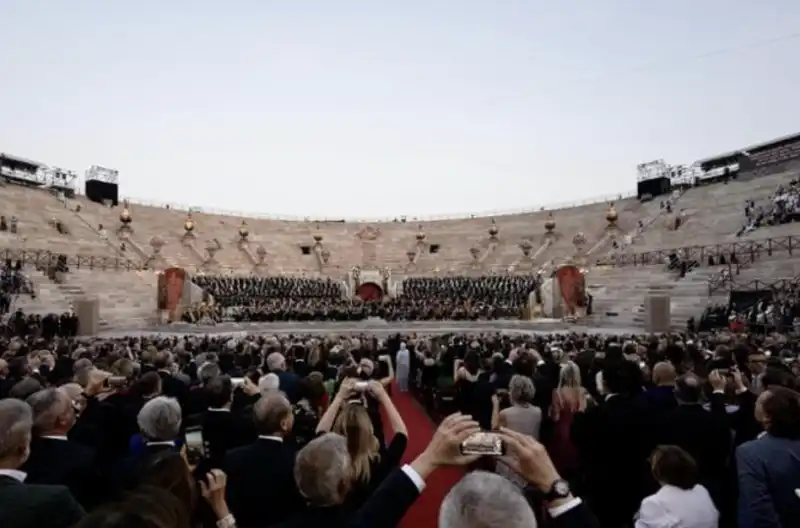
{"x":558,"y":490}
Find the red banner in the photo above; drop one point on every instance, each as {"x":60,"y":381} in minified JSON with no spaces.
{"x":174,"y":279}
{"x":572,"y":284}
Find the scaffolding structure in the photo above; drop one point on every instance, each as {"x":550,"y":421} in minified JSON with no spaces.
{"x":104,"y":174}
{"x":58,"y":178}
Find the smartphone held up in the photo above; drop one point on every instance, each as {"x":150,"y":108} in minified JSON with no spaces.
{"x":483,"y":444}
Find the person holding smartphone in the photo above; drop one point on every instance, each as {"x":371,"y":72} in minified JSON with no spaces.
{"x":371,"y":460}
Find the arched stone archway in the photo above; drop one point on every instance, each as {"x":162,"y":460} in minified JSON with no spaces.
{"x":369,"y":291}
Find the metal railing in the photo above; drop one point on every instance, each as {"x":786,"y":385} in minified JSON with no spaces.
{"x":42,"y":259}
{"x":756,"y":248}
{"x":776,"y":286}
{"x":701,"y":252}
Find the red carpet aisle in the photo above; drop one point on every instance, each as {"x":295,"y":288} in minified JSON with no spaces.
{"x":425,"y":511}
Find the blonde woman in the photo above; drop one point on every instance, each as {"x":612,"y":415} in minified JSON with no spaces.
{"x":370,"y":461}
{"x":569,"y":398}
{"x":522,"y":417}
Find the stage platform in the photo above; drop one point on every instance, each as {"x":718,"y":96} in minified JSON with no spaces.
{"x":375,"y":327}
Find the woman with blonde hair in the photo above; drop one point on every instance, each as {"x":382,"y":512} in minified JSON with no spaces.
{"x":522,"y":416}
{"x":370,"y":461}
{"x":569,"y":398}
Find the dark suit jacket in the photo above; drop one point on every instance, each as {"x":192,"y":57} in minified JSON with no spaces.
{"x":385,"y":508}
{"x":223,"y":431}
{"x":705,"y":435}
{"x":126,"y":472}
{"x":37,"y":505}
{"x":743,"y":420}
{"x":290,"y":385}
{"x":769,"y":475}
{"x":174,"y":388}
{"x":390,"y":503}
{"x":614,"y":440}
{"x":261,"y":489}
{"x":54,"y":461}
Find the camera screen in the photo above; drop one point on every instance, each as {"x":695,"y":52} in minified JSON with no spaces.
{"x":194,"y":441}
{"x":483,"y":444}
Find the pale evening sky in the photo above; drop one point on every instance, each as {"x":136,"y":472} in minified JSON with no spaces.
{"x":362,"y":108}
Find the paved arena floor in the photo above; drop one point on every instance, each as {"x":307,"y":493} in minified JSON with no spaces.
{"x":374,"y":327}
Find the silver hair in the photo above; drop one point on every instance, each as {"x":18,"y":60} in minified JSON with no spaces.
{"x":160,"y":419}
{"x":521,"y":389}
{"x":268,"y":383}
{"x":208,"y":371}
{"x":275,"y":361}
{"x":321,"y":468}
{"x":48,"y":405}
{"x":16,"y":422}
{"x":485,"y":500}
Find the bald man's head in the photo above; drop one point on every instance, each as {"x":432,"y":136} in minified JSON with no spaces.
{"x":688,"y":389}
{"x":664,"y":374}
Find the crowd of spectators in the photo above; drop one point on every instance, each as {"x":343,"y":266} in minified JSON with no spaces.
{"x":761,"y":312}
{"x":696,"y":430}
{"x":784,"y":207}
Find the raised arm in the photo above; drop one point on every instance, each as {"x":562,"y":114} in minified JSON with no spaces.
{"x":326,"y":422}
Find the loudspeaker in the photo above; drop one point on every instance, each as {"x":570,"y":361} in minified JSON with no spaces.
{"x":99,"y":191}
{"x":654,"y":187}
{"x":88,"y":311}
{"x":657,"y":318}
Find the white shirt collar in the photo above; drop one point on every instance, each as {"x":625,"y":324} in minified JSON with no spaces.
{"x":219,"y":409}
{"x":55,"y":437}
{"x":161,"y":442}
{"x":14,"y":473}
{"x":270,"y":437}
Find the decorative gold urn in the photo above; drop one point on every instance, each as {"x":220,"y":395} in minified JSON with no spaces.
{"x":493,"y":230}
{"x":611,"y":215}
{"x":244,"y":232}
{"x":420,"y":234}
{"x":411,"y":254}
{"x":317,"y":235}
{"x":475,"y":252}
{"x":188,"y":225}
{"x":550,"y":223}
{"x":125,"y":216}
{"x":526,"y":247}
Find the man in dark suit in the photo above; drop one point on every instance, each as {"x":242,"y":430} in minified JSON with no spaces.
{"x":261,"y":489}
{"x":159,"y":423}
{"x":769,"y":467}
{"x":28,"y":505}
{"x":290,"y":382}
{"x":661,"y":396}
{"x":170,"y":385}
{"x":706,"y":436}
{"x":614,"y":440}
{"x":223,"y":429}
{"x":54,"y":458}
